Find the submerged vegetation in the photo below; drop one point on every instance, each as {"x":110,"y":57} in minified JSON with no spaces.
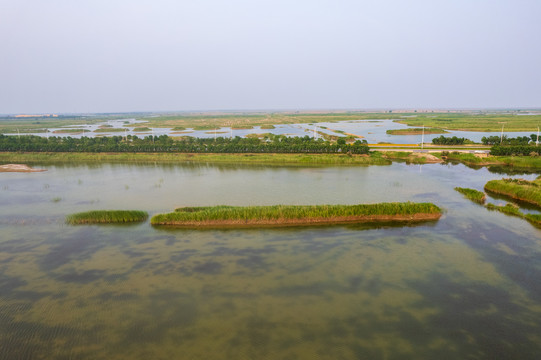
{"x":280,"y":215}
{"x":472,"y":194}
{"x":107,"y":217}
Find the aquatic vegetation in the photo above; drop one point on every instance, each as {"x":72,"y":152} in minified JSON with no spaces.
{"x":107,"y":217}
{"x":142,"y":129}
{"x":514,"y":210}
{"x":280,"y":215}
{"x":523,"y":190}
{"x":472,"y":194}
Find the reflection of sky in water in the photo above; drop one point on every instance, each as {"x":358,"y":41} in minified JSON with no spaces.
{"x":374,"y":131}
{"x":468,"y":284}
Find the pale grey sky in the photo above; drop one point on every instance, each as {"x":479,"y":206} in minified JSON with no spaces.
{"x":164,"y":55}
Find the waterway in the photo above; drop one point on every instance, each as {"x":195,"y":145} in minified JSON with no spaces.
{"x":466,"y":286}
{"x":373,"y":131}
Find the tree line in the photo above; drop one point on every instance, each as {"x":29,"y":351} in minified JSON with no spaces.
{"x":164,"y":143}
{"x":442,"y":140}
{"x":514,"y":150}
{"x":504,"y":140}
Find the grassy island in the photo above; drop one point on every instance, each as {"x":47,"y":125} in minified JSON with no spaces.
{"x":518,"y":189}
{"x":472,"y":194}
{"x":415,"y":131}
{"x":107,"y":217}
{"x":289,"y":215}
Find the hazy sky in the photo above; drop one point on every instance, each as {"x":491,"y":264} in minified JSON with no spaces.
{"x":163,"y":55}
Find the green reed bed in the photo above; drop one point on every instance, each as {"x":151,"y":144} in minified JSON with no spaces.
{"x":298,"y":215}
{"x":514,"y":210}
{"x":519,"y":189}
{"x":472,"y":194}
{"x":107,"y":217}
{"x":415,"y":131}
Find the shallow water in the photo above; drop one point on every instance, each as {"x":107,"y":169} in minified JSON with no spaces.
{"x":467,"y":286}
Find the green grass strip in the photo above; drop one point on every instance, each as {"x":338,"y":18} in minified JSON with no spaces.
{"x":472,"y":194}
{"x":298,"y":215}
{"x":107,"y":217}
{"x":514,"y":210}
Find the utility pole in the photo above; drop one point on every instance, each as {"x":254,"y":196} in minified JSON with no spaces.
{"x":423,"y":138}
{"x":537,"y":141}
{"x":501,"y":136}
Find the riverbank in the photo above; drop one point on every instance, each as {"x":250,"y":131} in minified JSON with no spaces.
{"x":271,"y":159}
{"x":289,"y":215}
{"x":528,"y":163}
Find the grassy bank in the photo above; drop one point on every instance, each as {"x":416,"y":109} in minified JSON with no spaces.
{"x":278,"y":159}
{"x":519,"y":162}
{"x":523,"y":190}
{"x":281,"y":215}
{"x":107,"y":217}
{"x":472,"y":194}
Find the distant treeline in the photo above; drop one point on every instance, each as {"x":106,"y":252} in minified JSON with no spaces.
{"x":442,"y":140}
{"x":504,"y":140}
{"x":486,"y":140}
{"x":164,"y":143}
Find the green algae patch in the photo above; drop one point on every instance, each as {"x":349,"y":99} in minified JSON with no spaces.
{"x":472,"y":194}
{"x":291,"y":215}
{"x":107,"y":217}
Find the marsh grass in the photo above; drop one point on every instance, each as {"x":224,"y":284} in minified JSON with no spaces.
{"x":107,"y":217}
{"x":513,"y":210}
{"x":472,"y":194}
{"x":303,"y":214}
{"x":528,"y":191}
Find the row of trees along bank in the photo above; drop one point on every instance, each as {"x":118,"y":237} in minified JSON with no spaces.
{"x":164,"y":143}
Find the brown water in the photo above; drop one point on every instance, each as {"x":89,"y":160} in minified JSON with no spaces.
{"x":468,"y":286}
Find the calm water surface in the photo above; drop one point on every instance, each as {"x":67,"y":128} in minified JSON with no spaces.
{"x":467,"y":286}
